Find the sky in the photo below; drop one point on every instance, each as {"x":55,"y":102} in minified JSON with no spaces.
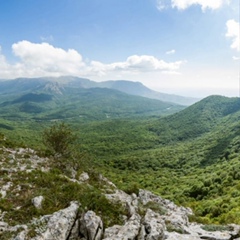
{"x":184,"y":47}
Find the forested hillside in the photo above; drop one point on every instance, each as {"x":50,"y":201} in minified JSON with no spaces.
{"x":42,"y":100}
{"x":191,"y":157}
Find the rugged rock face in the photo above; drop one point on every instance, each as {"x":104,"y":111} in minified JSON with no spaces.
{"x":149,"y":217}
{"x":153,"y":218}
{"x":91,"y":226}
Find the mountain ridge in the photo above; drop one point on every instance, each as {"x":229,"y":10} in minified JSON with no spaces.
{"x":129,"y":87}
{"x":53,"y":100}
{"x":198,"y":118}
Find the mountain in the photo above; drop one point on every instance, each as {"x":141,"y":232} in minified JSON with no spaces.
{"x":137,"y":88}
{"x":64,"y":98}
{"x":197,"y":119}
{"x":190,"y":157}
{"x":129,"y":87}
{"x":23,"y":85}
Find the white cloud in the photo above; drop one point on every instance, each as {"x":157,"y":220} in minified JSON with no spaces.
{"x":171,"y":52}
{"x":213,"y":4}
{"x":45,"y":55}
{"x":183,"y":4}
{"x":43,"y":59}
{"x":161,"y":5}
{"x":236,"y":58}
{"x":137,"y":64}
{"x":233,"y":31}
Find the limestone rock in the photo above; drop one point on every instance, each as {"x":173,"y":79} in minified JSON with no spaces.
{"x":3,"y":226}
{"x":5,"y":188}
{"x":177,"y":216}
{"x":83,"y":177}
{"x":129,"y":231}
{"x":21,"y":236}
{"x":130,"y":202}
{"x":91,"y":226}
{"x":75,"y":231}
{"x":37,"y":202}
{"x":59,"y":224}
{"x":152,"y":227}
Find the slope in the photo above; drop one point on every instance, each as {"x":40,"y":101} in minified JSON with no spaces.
{"x":129,"y":87}
{"x":191,"y":157}
{"x":195,"y":120}
{"x":51,"y":100}
{"x":137,"y":88}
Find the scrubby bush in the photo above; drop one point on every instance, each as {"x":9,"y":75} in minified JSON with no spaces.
{"x":58,"y":139}
{"x":60,"y":142}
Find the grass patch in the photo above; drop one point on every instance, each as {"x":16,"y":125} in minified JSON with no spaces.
{"x":58,"y":192}
{"x":214,"y":228}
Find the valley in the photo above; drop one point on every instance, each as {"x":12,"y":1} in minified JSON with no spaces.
{"x":190,"y":155}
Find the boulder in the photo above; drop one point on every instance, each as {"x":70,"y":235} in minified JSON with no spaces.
{"x":83,"y":177}
{"x":129,"y":231}
{"x":59,"y":224}
{"x":130,"y":202}
{"x":91,"y":226}
{"x":37,"y":202}
{"x":176,"y":216}
{"x":152,"y":227}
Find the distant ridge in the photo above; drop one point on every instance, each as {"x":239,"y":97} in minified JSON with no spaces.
{"x":129,"y":87}
{"x":73,"y":98}
{"x":137,"y":88}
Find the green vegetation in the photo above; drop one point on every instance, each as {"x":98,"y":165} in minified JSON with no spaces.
{"x":80,"y":105}
{"x":213,"y":228}
{"x":58,"y":139}
{"x":58,"y":192}
{"x":191,"y":157}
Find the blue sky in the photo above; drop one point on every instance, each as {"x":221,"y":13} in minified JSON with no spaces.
{"x":187,"y":47}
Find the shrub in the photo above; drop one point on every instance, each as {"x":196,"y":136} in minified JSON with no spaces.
{"x":58,"y":139}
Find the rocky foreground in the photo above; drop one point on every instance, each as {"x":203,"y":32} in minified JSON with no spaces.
{"x":148,"y":216}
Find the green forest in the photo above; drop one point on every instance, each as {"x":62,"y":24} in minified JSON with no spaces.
{"x":190,"y":155}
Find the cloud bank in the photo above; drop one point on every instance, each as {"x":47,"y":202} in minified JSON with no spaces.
{"x":43,"y":59}
{"x":183,"y":4}
{"x":233,"y":31}
{"x":137,"y":64}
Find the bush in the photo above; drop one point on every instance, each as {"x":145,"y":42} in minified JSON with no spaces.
{"x":58,"y":139}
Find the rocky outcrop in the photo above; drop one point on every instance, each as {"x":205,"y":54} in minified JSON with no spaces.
{"x":151,"y":218}
{"x":58,"y":225}
{"x":129,"y":231}
{"x":152,"y":227}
